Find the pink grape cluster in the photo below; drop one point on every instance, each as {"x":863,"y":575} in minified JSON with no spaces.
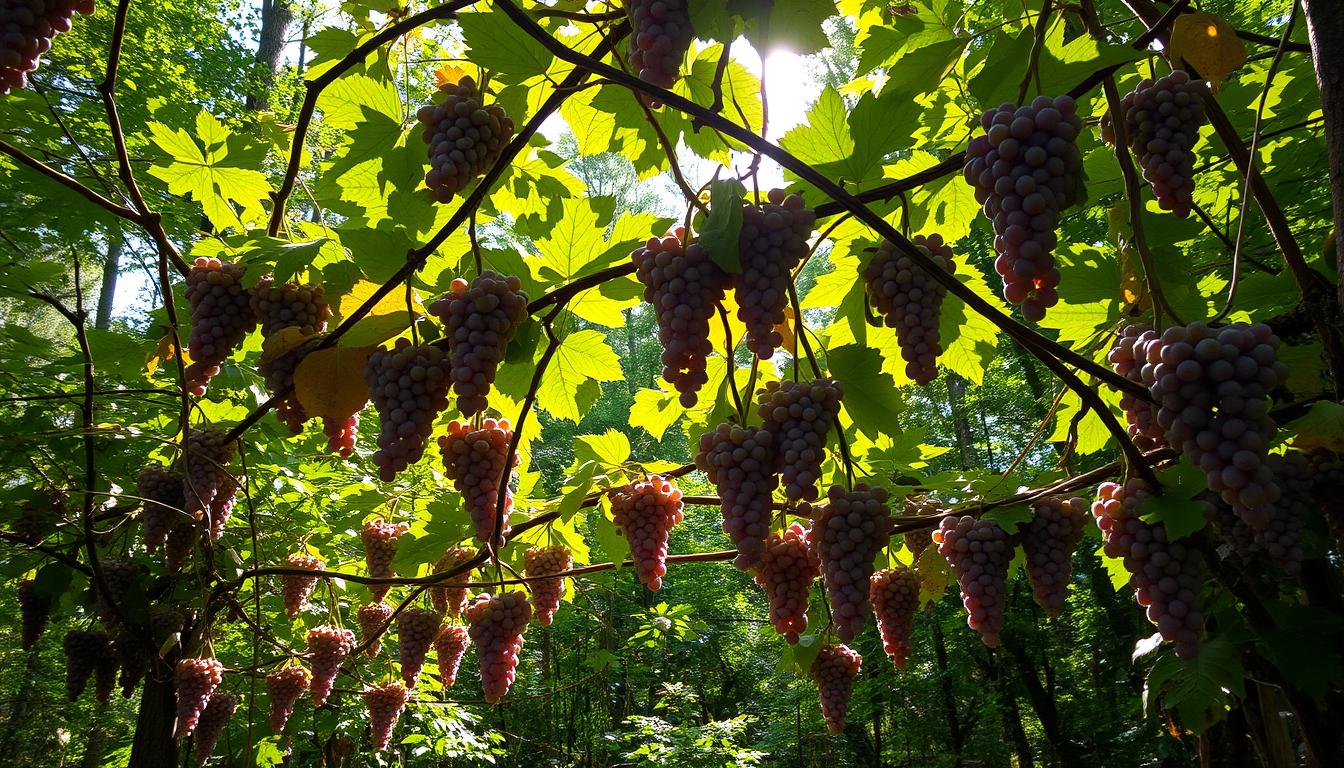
{"x":164,"y":498}
{"x":380,"y":547}
{"x":196,"y":681}
{"x":894,"y":593}
{"x":772,"y":244}
{"x":284,"y":687}
{"x":372,"y":618}
{"x":328,"y":647}
{"x":477,"y":461}
{"x":89,"y":654}
{"x":849,"y":531}
{"x":834,"y":671}
{"x":496,"y":626}
{"x":451,"y":599}
{"x":207,"y":485}
{"x":1162,"y":119}
{"x":740,"y":462}
{"x":464,"y":136}
{"x":214,"y":718}
{"x":547,"y":592}
{"x":1127,"y":358}
{"x":385,"y":704}
{"x":646,"y":512}
{"x":417,"y":629}
{"x":35,"y":607}
{"x":26,"y":31}
{"x":409,"y":388}
{"x":450,"y":646}
{"x":480,"y":319}
{"x":295,"y":589}
{"x":1048,"y":541}
{"x":221,"y":316}
{"x":798,"y":416}
{"x":909,"y":299}
{"x":979,"y":552}
{"x":786,"y":568}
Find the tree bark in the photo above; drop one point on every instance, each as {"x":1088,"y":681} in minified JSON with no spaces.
{"x":1010,"y":715}
{"x":961,"y":427}
{"x":116,"y":242}
{"x":154,"y":745}
{"x":276,"y":16}
{"x":1042,"y":701}
{"x":954,"y":731}
{"x":1325,"y":28}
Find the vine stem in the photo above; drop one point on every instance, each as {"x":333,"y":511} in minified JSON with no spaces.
{"x":1037,"y":43}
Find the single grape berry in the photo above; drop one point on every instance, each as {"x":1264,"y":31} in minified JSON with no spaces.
{"x":786,"y":568}
{"x":27,"y":28}
{"x":1128,"y":358}
{"x":772,"y":244}
{"x":450,"y":646}
{"x":296,"y":589}
{"x":546,"y":593}
{"x":196,"y":681}
{"x":416,"y":630}
{"x":909,"y":299}
{"x":290,"y":305}
{"x":373,"y":618}
{"x":798,"y":416}
{"x":451,"y":599}
{"x":207,"y":484}
{"x":740,"y":462}
{"x":409,"y":388}
{"x":385,"y":704}
{"x":496,"y":626}
{"x":464,"y":136}
{"x":380,"y":546}
{"x":1048,"y":541}
{"x":1161,"y":121}
{"x":849,"y":531}
{"x":214,"y":718}
{"x":661,"y":36}
{"x":221,"y":316}
{"x":284,"y":687}
{"x":328,"y":646}
{"x":87,"y":652}
{"x":475,"y":460}
{"x":35,"y":606}
{"x":163,"y":498}
{"x":834,"y":671}
{"x":979,"y":552}
{"x":480,"y":319}
{"x":894,"y":593}
{"x":645,"y":513}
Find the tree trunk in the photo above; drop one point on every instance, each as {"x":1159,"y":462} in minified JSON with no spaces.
{"x":154,"y":745}
{"x":276,"y":16}
{"x":1009,"y":714}
{"x":1325,"y":27}
{"x":111,"y":268}
{"x":961,"y":428}
{"x":956,"y":738}
{"x":96,"y":745}
{"x":1042,"y":701}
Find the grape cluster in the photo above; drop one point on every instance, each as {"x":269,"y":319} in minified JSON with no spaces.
{"x":452,"y":599}
{"x":1127,"y":358}
{"x":834,"y":671}
{"x":284,"y":687}
{"x":85,"y":653}
{"x":480,"y":320}
{"x":290,"y":305}
{"x":222,"y":507}
{"x":1281,"y":538}
{"x":385,"y":704}
{"x":1164,"y":574}
{"x":772,"y":244}
{"x":685,"y":287}
{"x":645,"y":513}
{"x":1048,"y":542}
{"x":546,"y":593}
{"x":163,"y":498}
{"x":919,"y":539}
{"x":1026,"y":170}
{"x":496,"y":626}
{"x":910,"y":300}
{"x":328,"y":647}
{"x":179,"y":544}
{"x":798,"y":415}
{"x":132,"y":660}
{"x":662,"y":35}
{"x":409,"y":387}
{"x":1317,"y":490}
{"x":1162,"y":119}
{"x":214,"y":718}
{"x":849,"y":531}
{"x":296,"y":589}
{"x":450,"y":646}
{"x":465,"y":138}
{"x":35,"y":606}
{"x":740,"y":462}
{"x":979,"y":552}
{"x":380,"y":546}
{"x":417,"y":629}
{"x":278,"y":371}
{"x":786,"y":568}
{"x":196,"y":681}
{"x":26,"y":31}
{"x":1212,"y":387}
{"x":118,"y":576}
{"x":221,"y":315}
{"x":341,"y":435}
{"x":207,"y":485}
{"x":894,"y":593}
{"x":372,"y":617}
{"x":475,"y":460}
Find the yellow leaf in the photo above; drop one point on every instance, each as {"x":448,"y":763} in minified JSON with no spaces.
{"x":282,"y":342}
{"x":786,"y":329}
{"x":933,"y":575}
{"x":330,"y":382}
{"x":1208,"y":44}
{"x":388,"y":318}
{"x":165,"y":351}
{"x":448,"y":75}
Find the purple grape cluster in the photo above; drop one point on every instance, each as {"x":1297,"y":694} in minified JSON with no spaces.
{"x":1026,"y":170}
{"x":417,"y":629}
{"x":496,"y":626}
{"x":645,"y":513}
{"x":196,"y":681}
{"x":409,"y":388}
{"x":89,"y":653}
{"x":480,"y":319}
{"x":207,"y":485}
{"x":849,"y":531}
{"x":834,"y":671}
{"x":26,"y":31}
{"x":214,"y":718}
{"x":979,"y":552}
{"x":284,"y":687}
{"x":221,"y":316}
{"x":385,"y":704}
{"x":118,"y":576}
{"x":278,"y":371}
{"x":910,"y":300}
{"x":474,"y":459}
{"x":894,"y":593}
{"x":464,"y":136}
{"x":450,"y":598}
{"x":163,"y":500}
{"x":740,"y":462}
{"x":290,"y":305}
{"x":35,"y":607}
{"x":1127,"y":358}
{"x":1162,"y":119}
{"x":798,"y":416}
{"x":1048,"y":542}
{"x":772,"y":244}
{"x":662,"y":35}
{"x":786,"y":568}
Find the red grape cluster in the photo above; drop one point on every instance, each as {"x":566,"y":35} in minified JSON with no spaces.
{"x":480,"y":320}
{"x":380,"y":546}
{"x":497,"y":623}
{"x":222,"y":507}
{"x":87,"y":652}
{"x":740,"y":462}
{"x":385,"y":704}
{"x":290,"y":305}
{"x":834,"y":671}
{"x":786,"y":568}
{"x":118,"y":577}
{"x":328,"y":647}
{"x":1026,"y":170}
{"x":645,"y":513}
{"x":284,"y":687}
{"x":798,"y":415}
{"x":207,"y":484}
{"x":662,"y":35}
{"x":849,"y":531}
{"x":1127,"y":358}
{"x":221,"y":316}
{"x":465,"y":138}
{"x":1164,"y":574}
{"x":1212,"y":387}
{"x":894,"y":593}
{"x":163,"y":499}
{"x":1162,"y":120}
{"x":450,"y":646}
{"x":35,"y":606}
{"x":26,"y":30}
{"x":979,"y":552}
{"x":409,"y":387}
{"x":214,"y":718}
{"x":1048,"y":542}
{"x":196,"y":681}
{"x":685,"y":287}
{"x":417,"y":629}
{"x":341,"y":435}
{"x":179,"y":544}
{"x":475,"y":460}
{"x":452,"y":599}
{"x":546,"y":593}
{"x":296,"y":589}
{"x":910,"y":300}
{"x":278,"y":370}
{"x":372,"y":618}
{"x":772,"y":244}
{"x":132,"y":660}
